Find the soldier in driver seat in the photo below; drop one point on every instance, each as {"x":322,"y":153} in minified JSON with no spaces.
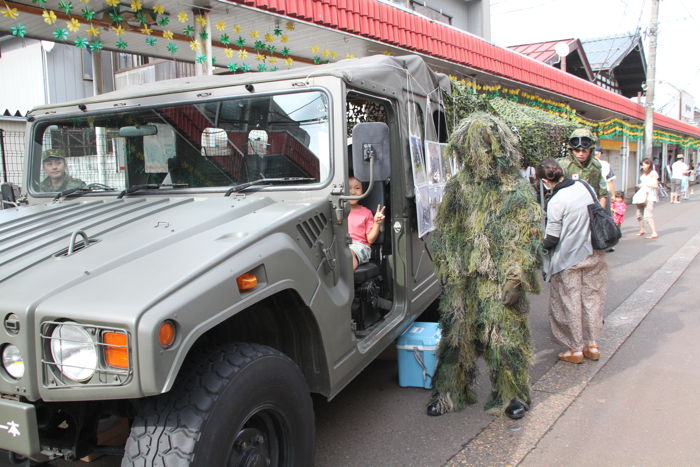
{"x":54,"y":163}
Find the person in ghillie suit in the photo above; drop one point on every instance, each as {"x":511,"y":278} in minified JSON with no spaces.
{"x":487,"y":252}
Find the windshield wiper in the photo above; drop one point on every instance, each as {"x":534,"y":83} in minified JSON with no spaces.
{"x":78,"y":191}
{"x":81,"y":190}
{"x":149,"y":186}
{"x":244,"y":186}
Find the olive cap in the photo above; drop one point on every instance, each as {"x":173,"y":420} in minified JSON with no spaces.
{"x":49,"y":153}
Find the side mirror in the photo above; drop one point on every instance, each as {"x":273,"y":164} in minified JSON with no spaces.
{"x":371,"y":138}
{"x":9,"y":195}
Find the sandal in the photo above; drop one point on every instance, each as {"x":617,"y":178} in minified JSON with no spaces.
{"x":571,"y":356}
{"x":639,"y":234}
{"x":652,"y":236}
{"x":591,"y":352}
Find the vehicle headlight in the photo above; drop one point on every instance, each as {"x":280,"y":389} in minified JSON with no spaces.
{"x":74,"y":352}
{"x":12,"y":361}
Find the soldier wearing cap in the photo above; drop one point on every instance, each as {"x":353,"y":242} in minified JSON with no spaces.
{"x":54,"y":163}
{"x":580,"y":165}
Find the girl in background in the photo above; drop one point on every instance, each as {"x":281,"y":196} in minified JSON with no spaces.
{"x":618,"y":209}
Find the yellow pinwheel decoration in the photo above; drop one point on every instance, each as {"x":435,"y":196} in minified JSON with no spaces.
{"x":201,"y":20}
{"x":269,"y":38}
{"x":220,"y":26}
{"x":183,"y":17}
{"x":242,"y":54}
{"x":167,"y":34}
{"x":92,"y":31}
{"x":136,"y":5}
{"x":289,"y":61}
{"x":159,"y":9}
{"x":254,"y":33}
{"x":260,"y":58}
{"x":284,"y":38}
{"x":228,"y":52}
{"x":112,"y":3}
{"x":118,"y":30}
{"x":73,"y":25}
{"x":49,"y":16}
{"x":10,"y":13}
{"x":236,"y":29}
{"x":146,"y":30}
{"x":315,"y":49}
{"x":194,"y":45}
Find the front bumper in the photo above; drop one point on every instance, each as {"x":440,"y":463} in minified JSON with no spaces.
{"x":19,"y":432}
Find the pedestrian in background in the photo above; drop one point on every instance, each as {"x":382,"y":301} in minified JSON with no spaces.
{"x":619,"y":208}
{"x":691,"y":178}
{"x":606,"y":172}
{"x":679,"y":169}
{"x":578,"y":274}
{"x":648,"y":183}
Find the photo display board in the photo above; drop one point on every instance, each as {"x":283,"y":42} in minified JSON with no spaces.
{"x":431,"y":170}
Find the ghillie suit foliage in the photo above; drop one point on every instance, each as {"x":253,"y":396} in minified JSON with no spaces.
{"x":487,"y":244}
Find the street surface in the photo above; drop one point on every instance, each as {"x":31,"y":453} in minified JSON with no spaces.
{"x":637,"y":406}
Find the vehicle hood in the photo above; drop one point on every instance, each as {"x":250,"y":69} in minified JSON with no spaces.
{"x":140,"y":250}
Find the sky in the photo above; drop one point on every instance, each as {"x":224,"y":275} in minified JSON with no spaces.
{"x":516,"y":22}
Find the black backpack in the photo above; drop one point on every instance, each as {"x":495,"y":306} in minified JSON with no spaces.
{"x":604,"y":233}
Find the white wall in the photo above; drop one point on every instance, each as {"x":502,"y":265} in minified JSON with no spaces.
{"x":22,"y":76}
{"x":65,"y":71}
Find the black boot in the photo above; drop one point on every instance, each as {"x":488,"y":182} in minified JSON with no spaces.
{"x":516,"y":409}
{"x":433,"y":410}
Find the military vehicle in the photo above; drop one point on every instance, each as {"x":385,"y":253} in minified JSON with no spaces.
{"x":195,"y":283}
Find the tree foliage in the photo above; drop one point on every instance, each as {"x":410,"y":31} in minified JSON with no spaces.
{"x":541,"y":134}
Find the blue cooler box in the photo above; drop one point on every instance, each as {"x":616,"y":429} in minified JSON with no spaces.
{"x":417,"y":349}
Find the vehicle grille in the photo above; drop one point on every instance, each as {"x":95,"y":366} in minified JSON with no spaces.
{"x":311,"y":229}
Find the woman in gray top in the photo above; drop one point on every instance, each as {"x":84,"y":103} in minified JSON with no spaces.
{"x":578,"y":273}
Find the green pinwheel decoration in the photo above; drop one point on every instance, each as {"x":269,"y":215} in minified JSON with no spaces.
{"x":60,"y":34}
{"x":18,"y":31}
{"x":81,"y":42}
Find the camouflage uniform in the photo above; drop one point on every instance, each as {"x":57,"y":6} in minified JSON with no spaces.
{"x":591,"y":172}
{"x":68,"y":183}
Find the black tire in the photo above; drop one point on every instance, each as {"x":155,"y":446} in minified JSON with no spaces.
{"x":239,"y":404}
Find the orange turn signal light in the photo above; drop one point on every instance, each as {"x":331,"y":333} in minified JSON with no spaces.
{"x":247,"y":281}
{"x":166,"y":333}
{"x":116,"y":349}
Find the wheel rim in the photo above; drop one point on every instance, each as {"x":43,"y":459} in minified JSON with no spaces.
{"x":263,"y":440}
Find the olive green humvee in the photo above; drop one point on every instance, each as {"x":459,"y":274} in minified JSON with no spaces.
{"x":195,"y":280}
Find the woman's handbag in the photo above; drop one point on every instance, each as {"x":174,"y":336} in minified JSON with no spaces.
{"x":604,"y":233}
{"x":640,"y":197}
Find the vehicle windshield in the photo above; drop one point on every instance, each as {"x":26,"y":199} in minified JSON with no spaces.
{"x":219,"y":143}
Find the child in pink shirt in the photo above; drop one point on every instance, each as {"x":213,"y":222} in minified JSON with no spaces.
{"x":363,"y":227}
{"x":618,"y":208}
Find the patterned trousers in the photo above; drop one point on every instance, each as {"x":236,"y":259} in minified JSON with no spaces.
{"x":577,"y":301}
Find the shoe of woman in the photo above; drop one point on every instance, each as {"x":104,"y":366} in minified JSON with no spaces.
{"x":571,"y":356}
{"x":591,"y":352}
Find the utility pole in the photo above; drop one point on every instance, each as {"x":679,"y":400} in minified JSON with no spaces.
{"x":651,"y":78}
